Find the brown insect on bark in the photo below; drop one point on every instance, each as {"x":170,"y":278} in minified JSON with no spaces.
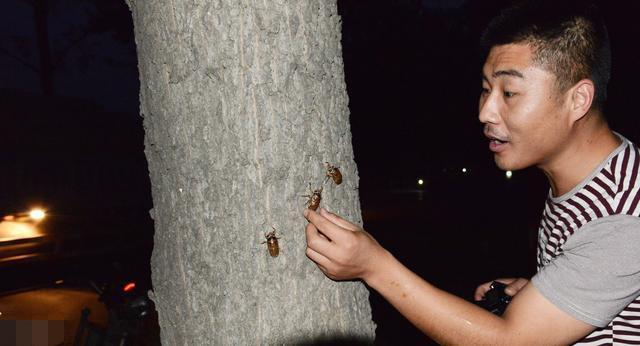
{"x":334,"y":173}
{"x":272,"y":243}
{"x":314,"y":198}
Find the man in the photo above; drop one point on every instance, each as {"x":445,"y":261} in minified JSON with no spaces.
{"x":544,"y":86}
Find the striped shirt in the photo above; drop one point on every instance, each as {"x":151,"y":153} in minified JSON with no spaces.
{"x":610,"y":193}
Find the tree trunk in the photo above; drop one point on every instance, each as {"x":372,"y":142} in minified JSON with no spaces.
{"x":243,"y":103}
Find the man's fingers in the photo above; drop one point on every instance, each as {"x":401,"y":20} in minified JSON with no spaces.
{"x":318,"y":258}
{"x":481,"y":290}
{"x":328,"y":228}
{"x":316,"y":240}
{"x":515,"y":286}
{"x":317,"y":247}
{"x":506,"y":281}
{"x":338,"y":220}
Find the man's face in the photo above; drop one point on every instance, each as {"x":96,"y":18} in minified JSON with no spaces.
{"x":525,"y":117}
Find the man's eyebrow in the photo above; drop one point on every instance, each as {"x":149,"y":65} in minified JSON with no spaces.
{"x":510,"y":73}
{"x":501,"y":73}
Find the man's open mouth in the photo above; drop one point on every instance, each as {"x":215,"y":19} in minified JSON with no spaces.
{"x":497,"y":144}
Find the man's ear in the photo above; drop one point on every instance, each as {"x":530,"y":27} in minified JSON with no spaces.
{"x":582,"y":94}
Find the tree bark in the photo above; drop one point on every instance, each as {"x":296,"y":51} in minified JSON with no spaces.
{"x":243,"y":103}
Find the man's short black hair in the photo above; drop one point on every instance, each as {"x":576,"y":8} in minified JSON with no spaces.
{"x":568,"y":38}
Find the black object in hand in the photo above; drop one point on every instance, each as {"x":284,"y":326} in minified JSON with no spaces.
{"x":495,"y":300}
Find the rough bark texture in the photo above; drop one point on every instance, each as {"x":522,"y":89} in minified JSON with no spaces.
{"x":243,"y":102}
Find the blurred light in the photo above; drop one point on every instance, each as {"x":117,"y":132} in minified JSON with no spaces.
{"x":420,"y":182}
{"x":37,"y":214}
{"x":9,"y":218}
{"x":508,"y":174}
{"x":129,"y":287}
{"x":59,"y":282}
{"x":464,"y":170}
{"x":11,"y":230}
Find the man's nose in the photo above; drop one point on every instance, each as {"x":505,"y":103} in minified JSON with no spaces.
{"x":489,"y":110}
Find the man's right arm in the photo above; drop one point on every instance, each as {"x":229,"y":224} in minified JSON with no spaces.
{"x":344,"y":251}
{"x":529,"y":319}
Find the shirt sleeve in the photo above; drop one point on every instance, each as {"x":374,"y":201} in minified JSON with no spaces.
{"x":598,"y":273}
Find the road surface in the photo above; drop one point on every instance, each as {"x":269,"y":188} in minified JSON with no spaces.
{"x":52,"y":304}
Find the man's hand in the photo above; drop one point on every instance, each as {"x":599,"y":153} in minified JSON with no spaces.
{"x":514,"y":285}
{"x":341,"y":249}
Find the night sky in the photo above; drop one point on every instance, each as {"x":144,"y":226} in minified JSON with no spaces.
{"x":92,"y":45}
{"x":413,"y":77}
{"x":413,"y":61}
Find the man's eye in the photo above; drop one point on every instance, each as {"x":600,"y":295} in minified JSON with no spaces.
{"x":509,"y":94}
{"x":485,"y":91}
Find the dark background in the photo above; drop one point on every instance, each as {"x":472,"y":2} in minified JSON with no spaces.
{"x":72,"y":139}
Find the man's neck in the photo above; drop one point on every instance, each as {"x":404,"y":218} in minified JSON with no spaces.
{"x":591,"y":143}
